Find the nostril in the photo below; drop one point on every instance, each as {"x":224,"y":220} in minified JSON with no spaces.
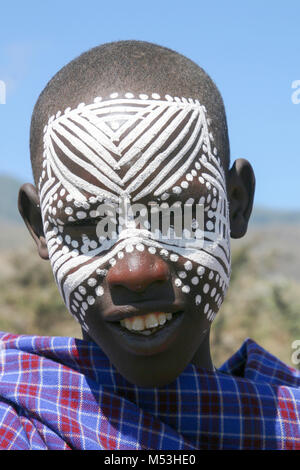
{"x":159,"y":282}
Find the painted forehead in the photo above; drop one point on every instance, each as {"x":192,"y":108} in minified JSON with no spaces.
{"x":135,"y":146}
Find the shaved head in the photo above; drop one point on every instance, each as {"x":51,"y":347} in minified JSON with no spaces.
{"x":131,"y":66}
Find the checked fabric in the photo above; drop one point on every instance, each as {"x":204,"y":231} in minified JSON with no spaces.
{"x":63,"y":393}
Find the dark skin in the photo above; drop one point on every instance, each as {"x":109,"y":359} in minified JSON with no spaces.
{"x":138,"y":283}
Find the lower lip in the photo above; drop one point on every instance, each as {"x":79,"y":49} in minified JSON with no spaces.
{"x":152,"y":344}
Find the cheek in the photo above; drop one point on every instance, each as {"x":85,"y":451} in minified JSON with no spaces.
{"x":204,"y":287}
{"x":83,"y":298}
{"x":202,"y":273}
{"x":69,"y":259}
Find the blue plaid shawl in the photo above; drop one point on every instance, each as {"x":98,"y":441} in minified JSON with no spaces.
{"x":63,"y":393}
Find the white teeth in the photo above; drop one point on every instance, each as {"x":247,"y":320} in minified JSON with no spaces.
{"x":143,"y":323}
{"x":151,"y":321}
{"x":127,"y":322}
{"x":162,"y":318}
{"x":138,"y":324}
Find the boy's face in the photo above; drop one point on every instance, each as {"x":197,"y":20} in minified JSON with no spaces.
{"x":146,"y":299}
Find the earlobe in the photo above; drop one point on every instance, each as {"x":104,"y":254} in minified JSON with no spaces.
{"x":241,"y":188}
{"x":29,"y":208}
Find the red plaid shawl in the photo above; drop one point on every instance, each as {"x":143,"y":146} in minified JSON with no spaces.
{"x":63,"y":393}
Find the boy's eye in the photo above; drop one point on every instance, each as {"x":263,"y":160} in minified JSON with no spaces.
{"x":84,"y":223}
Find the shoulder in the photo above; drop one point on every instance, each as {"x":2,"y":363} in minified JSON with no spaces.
{"x":253,"y":362}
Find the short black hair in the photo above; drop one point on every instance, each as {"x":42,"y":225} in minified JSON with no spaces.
{"x":127,"y":66}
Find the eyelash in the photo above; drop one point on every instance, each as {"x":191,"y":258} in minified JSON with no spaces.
{"x":84,"y":223}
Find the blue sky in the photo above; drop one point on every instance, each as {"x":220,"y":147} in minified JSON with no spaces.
{"x":251,"y":49}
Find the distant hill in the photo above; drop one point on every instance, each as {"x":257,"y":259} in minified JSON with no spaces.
{"x":9,"y":187}
{"x":265,"y":216}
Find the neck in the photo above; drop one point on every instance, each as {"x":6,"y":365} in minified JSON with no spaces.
{"x":202,"y":357}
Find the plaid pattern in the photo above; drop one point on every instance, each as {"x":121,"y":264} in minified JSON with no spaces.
{"x":63,"y":393}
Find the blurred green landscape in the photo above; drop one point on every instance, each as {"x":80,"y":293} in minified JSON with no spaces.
{"x":263,"y":300}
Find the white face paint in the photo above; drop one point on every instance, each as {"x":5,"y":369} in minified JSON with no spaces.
{"x":132,"y":148}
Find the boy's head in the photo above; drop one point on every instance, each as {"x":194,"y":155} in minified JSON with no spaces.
{"x":121,"y":133}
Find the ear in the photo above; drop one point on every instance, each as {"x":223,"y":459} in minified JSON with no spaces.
{"x":29,"y":208}
{"x":241,"y":188}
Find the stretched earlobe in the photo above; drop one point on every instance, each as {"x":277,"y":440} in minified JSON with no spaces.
{"x":29,"y":208}
{"x":241,"y":188}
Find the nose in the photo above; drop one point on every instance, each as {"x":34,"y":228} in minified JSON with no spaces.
{"x":138,"y":270}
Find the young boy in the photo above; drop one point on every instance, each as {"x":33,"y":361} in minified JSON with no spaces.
{"x":119,"y":136}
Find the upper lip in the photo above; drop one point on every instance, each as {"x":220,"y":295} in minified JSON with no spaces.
{"x":118,"y":313}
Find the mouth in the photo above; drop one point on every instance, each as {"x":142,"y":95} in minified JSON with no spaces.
{"x":147,"y":324}
{"x":146,"y":332}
